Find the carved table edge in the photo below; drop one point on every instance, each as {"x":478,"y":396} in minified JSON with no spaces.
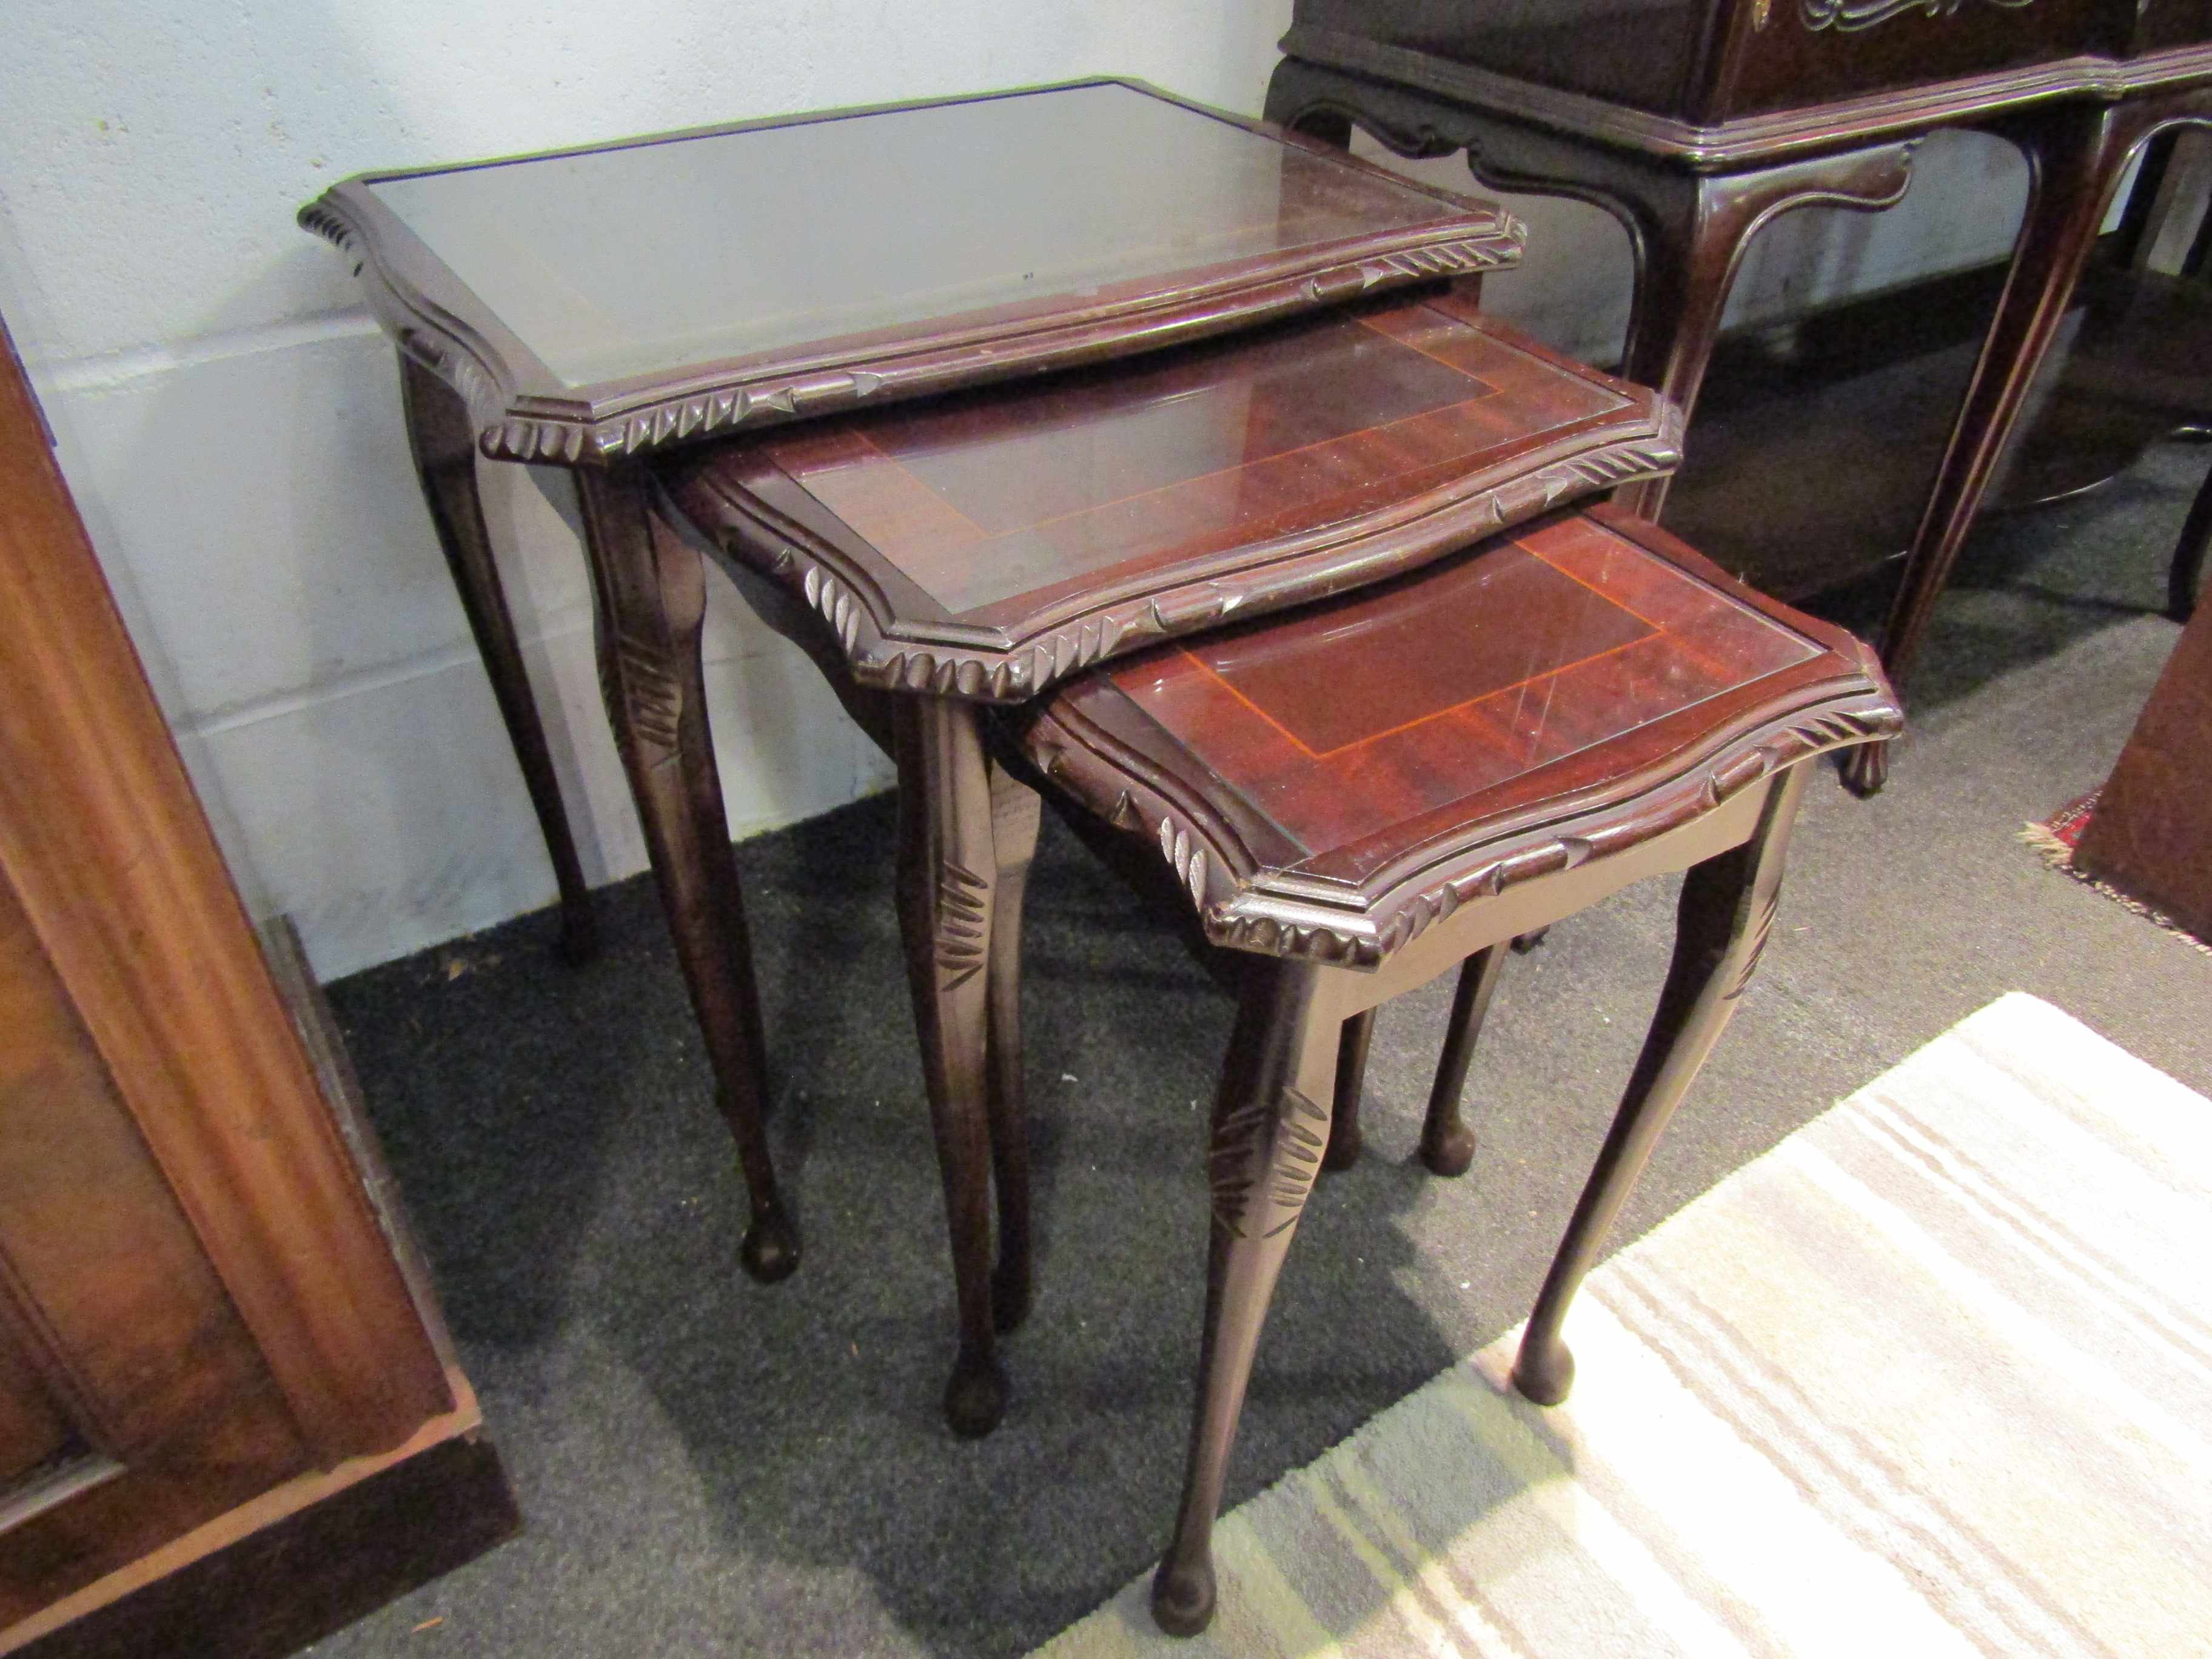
{"x":1358,"y":926}
{"x":988,"y":666}
{"x":570,"y":431}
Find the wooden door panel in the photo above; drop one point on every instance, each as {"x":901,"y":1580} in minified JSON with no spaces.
{"x":109,"y":1277}
{"x":199,"y":1311}
{"x":136,"y":1403}
{"x":34,"y":1436}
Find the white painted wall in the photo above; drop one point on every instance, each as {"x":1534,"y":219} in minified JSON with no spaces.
{"x":228,"y":418}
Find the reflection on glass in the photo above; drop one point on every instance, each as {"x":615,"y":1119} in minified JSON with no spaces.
{"x":1427,"y":691}
{"x":658,"y":256}
{"x":993,"y":500}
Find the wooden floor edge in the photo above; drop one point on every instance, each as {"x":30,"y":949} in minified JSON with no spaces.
{"x":278,"y":1505}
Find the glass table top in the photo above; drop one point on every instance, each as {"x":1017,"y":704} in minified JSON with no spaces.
{"x":649,"y":257}
{"x":994,"y":502}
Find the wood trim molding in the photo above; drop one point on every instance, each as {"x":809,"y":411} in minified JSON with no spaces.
{"x":120,"y":876}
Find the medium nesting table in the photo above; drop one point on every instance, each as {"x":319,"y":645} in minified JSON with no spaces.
{"x":593,"y":309}
{"x":940,"y":558}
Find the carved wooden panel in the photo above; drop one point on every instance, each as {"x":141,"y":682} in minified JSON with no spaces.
{"x":1808,"y":52}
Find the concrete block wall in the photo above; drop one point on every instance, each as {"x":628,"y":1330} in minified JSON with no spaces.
{"x":228,"y":418}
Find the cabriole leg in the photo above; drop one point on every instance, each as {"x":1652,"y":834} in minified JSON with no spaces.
{"x":947,"y":875}
{"x":1447,"y":1144}
{"x":1344,"y":1137}
{"x":443,"y":440}
{"x":1726,"y":908}
{"x":2074,"y":153}
{"x":1270,"y":1128}
{"x":652,"y":601}
{"x":1016,"y":809}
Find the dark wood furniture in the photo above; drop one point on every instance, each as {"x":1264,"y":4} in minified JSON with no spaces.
{"x":2150,"y":836}
{"x":937,"y":558}
{"x":2186,"y":575}
{"x":1695,"y":124}
{"x":1778,"y":498}
{"x":592,"y":308}
{"x":211,"y":1337}
{"x":1367,"y":792}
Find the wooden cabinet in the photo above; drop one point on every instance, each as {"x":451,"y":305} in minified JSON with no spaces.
{"x":1707,"y":61}
{"x":204,"y":1323}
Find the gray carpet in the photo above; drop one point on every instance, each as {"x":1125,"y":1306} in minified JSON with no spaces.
{"x":712,"y":1467}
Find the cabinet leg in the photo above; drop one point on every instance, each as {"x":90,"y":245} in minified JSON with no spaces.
{"x":1447,"y":1144}
{"x":1271,"y":1122}
{"x":1727,"y":908}
{"x":2075,"y":152}
{"x":1016,"y":811}
{"x":1694,"y":232}
{"x":443,"y":440}
{"x":652,"y":601}
{"x":1344,"y":1137}
{"x":1687,"y":234}
{"x":947,"y":878}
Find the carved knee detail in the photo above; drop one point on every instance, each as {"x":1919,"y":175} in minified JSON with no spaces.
{"x":1264,"y":1158}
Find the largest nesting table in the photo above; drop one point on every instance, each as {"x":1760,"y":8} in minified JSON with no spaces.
{"x":598,"y":310}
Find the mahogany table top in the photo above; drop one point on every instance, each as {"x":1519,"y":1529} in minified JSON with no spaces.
{"x":1579,"y":687}
{"x":987,"y":544}
{"x":591,"y":303}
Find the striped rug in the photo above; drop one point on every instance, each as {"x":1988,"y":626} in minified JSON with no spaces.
{"x":1932,"y":1377}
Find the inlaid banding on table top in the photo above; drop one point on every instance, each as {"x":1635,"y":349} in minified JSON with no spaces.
{"x":1030,"y":530}
{"x":1442,"y":687}
{"x":1329,"y":814}
{"x":593,"y":304}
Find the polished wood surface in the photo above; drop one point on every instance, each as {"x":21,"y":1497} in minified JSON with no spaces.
{"x":2151,"y":834}
{"x":1705,"y":62}
{"x":595,"y":303}
{"x":1661,"y":722}
{"x":1720,"y":84}
{"x":197,"y":1301}
{"x":987,"y":545}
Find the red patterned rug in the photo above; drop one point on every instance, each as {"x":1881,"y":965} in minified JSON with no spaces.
{"x":2056,"y":840}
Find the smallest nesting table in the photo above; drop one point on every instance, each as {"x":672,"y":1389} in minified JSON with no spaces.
{"x":1367,"y":792}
